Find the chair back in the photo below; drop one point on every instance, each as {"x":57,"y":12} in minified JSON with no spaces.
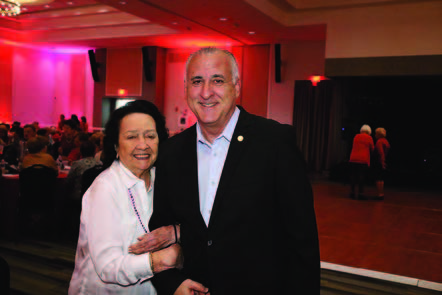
{"x":36,"y":205}
{"x":89,"y":176}
{"x":37,"y":186}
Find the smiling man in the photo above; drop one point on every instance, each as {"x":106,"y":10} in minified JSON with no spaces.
{"x":237,"y":185}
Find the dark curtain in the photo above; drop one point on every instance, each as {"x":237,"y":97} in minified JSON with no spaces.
{"x":317,"y":117}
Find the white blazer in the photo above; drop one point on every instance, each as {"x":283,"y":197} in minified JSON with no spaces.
{"x":109,"y":225}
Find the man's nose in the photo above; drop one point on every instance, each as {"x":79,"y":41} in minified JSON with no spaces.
{"x":206,"y":91}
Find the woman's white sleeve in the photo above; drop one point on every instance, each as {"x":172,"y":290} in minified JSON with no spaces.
{"x":107,"y":227}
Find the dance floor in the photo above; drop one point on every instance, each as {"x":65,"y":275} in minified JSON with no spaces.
{"x":401,"y":235}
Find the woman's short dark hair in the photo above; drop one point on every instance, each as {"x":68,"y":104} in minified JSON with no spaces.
{"x":37,"y":144}
{"x":112,"y":129}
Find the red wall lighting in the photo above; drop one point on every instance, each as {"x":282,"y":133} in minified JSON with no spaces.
{"x":122,"y":92}
{"x":316,"y":79}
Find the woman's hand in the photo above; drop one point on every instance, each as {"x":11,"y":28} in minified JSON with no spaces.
{"x":189,"y":287}
{"x":156,"y":240}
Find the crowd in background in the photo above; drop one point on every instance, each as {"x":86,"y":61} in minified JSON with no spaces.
{"x":62,"y":142}
{"x":69,"y":147}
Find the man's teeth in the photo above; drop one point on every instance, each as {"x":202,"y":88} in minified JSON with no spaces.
{"x":208,"y":104}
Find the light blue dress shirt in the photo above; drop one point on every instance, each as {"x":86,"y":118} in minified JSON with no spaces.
{"x":211,"y":158}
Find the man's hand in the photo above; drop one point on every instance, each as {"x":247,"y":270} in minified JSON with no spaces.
{"x":171,"y":257}
{"x":155,"y":240}
{"x":189,"y":287}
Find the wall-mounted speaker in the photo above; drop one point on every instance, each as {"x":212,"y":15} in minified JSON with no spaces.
{"x":149,"y":56}
{"x":94,"y":65}
{"x":278,"y":63}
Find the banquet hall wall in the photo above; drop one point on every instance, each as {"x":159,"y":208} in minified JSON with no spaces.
{"x":31,"y":78}
{"x":39,"y":84}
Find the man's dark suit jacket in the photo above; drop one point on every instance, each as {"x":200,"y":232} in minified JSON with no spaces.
{"x":262,"y":236}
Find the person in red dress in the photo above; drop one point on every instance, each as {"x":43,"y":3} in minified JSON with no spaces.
{"x":360,"y":160}
{"x":380,"y":166}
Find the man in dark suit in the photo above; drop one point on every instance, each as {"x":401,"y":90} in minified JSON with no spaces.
{"x":237,"y":185}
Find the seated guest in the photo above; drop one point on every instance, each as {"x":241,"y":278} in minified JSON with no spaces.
{"x":66,"y":143}
{"x":75,"y":154}
{"x":3,"y":139}
{"x":97,"y":139}
{"x":4,"y":134}
{"x":61,"y":123}
{"x":75,"y":119}
{"x":13,"y":151}
{"x":29,"y":131}
{"x":84,"y":127}
{"x":37,"y":147}
{"x":36,"y":125}
{"x":87,"y":150}
{"x":73,"y":183}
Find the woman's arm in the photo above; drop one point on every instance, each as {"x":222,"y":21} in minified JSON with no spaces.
{"x":106,"y":226}
{"x":106,"y":230}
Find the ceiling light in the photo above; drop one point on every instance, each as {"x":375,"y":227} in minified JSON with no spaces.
{"x":70,"y":3}
{"x":223,"y":19}
{"x":47,"y":6}
{"x":252,"y":33}
{"x":122,"y":2}
{"x":9,"y":7}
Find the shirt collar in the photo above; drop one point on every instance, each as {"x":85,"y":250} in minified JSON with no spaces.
{"x":130,"y":180}
{"x":227,"y":132}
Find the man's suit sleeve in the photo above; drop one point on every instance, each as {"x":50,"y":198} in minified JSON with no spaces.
{"x":295,"y":199}
{"x":168,"y":281}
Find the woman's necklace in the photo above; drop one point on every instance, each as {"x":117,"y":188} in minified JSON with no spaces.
{"x":136,"y":211}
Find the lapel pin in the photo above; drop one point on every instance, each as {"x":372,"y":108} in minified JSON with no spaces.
{"x":240,"y":138}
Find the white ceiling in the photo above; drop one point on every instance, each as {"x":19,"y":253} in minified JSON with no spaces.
{"x":167,"y":23}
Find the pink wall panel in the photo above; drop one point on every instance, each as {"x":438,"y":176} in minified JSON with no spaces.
{"x":77,"y":93}
{"x":6,"y":53}
{"x":38,"y":84}
{"x":33,"y":85}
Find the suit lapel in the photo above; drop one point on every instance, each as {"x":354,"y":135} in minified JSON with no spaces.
{"x":237,"y":147}
{"x":189,"y":167}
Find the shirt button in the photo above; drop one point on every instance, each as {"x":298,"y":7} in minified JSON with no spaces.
{"x":209,"y":243}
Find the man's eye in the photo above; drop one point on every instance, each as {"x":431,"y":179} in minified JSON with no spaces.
{"x":197,"y":82}
{"x":218,"y":81}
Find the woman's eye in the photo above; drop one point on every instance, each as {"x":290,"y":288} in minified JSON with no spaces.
{"x":131,"y":137}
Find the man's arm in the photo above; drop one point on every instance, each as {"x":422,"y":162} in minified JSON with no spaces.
{"x":166,"y":282}
{"x":295,"y":199}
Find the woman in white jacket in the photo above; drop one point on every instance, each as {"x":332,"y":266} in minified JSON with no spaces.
{"x":117,"y":207}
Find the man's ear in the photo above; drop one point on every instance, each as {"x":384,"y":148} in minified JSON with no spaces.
{"x":238,"y":88}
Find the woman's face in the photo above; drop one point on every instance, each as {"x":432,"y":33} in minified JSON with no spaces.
{"x":138,"y":143}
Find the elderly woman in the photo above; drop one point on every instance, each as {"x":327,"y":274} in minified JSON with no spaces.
{"x":117,"y":208}
{"x":379,"y":164}
{"x":38,"y":153}
{"x":360,"y":160}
